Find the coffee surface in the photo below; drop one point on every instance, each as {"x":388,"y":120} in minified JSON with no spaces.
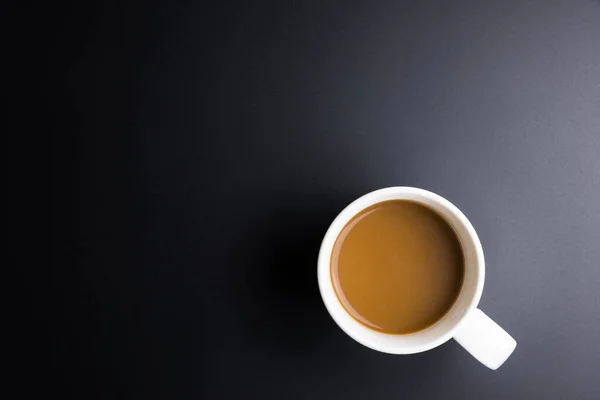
{"x":397,"y":267}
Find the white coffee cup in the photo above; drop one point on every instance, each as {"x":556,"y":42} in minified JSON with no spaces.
{"x":471,"y":328}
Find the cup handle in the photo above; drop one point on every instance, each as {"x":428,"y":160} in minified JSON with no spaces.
{"x":485,"y":339}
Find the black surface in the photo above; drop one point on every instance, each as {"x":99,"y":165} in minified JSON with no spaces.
{"x":199,"y":153}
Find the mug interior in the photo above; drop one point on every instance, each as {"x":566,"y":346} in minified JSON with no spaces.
{"x":443,"y":329}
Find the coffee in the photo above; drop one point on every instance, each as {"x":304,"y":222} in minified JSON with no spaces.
{"x":397,"y":267}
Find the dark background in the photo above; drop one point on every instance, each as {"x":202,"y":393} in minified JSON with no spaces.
{"x":199,"y":152}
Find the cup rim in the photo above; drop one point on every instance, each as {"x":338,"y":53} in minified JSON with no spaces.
{"x":333,"y":304}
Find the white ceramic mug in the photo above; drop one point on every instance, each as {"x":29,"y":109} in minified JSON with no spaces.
{"x":471,"y":328}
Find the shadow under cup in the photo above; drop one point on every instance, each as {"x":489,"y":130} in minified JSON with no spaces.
{"x":442,"y":330}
